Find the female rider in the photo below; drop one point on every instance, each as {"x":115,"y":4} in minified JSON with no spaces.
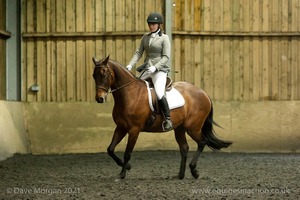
{"x":157,"y":47}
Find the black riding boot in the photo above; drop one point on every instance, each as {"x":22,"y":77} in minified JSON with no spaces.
{"x":163,"y":104}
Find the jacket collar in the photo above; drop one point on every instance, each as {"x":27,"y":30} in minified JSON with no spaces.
{"x":158,"y":32}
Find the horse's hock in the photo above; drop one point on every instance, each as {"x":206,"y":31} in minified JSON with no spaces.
{"x":88,"y":127}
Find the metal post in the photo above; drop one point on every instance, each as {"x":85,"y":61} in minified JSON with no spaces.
{"x":13,"y":71}
{"x":168,"y":29}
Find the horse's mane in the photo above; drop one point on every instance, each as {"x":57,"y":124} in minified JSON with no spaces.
{"x":116,"y":63}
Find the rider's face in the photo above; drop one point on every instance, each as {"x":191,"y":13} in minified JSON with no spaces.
{"x":153,"y":27}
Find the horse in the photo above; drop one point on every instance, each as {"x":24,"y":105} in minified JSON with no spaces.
{"x":131,"y":112}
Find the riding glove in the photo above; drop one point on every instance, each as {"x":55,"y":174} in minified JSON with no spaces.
{"x":152,"y":69}
{"x":129,"y":67}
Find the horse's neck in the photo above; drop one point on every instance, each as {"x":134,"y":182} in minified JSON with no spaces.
{"x":122,"y":77}
{"x":126,"y":87}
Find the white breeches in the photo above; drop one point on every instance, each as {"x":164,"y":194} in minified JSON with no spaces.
{"x":159,"y":81}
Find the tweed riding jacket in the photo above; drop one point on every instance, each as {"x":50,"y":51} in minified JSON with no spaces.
{"x":157,"y":52}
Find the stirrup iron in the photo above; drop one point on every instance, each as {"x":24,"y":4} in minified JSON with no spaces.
{"x":167,"y":123}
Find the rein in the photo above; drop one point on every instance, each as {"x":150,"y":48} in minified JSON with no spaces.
{"x":122,"y":86}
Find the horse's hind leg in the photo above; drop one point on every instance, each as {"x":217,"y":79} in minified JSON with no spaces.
{"x":196,"y":136}
{"x":184,"y":148}
{"x":193,"y":163}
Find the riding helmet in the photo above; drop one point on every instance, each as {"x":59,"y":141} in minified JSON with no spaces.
{"x":155,"y":18}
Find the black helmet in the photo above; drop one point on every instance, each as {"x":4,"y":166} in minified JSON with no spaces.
{"x":155,"y":18}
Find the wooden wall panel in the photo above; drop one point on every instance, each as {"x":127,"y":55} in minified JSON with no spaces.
{"x":233,"y":49}
{"x":250,"y":48}
{"x":236,"y":15}
{"x":242,"y":68}
{"x":60,"y":37}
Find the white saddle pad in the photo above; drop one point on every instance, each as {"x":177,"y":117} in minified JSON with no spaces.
{"x":174,"y":98}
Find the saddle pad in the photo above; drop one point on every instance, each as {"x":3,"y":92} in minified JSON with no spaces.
{"x":174,"y":98}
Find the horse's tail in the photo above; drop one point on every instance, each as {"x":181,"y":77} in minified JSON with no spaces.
{"x":209,"y":136}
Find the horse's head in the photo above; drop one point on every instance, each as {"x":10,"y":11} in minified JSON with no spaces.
{"x":103,"y":78}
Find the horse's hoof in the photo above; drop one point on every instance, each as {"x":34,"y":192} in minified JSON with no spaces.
{"x":195,"y":174}
{"x":128,"y":166}
{"x":122,"y":175}
{"x":180,"y":176}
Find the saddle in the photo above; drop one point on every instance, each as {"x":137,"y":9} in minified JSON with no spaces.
{"x":168,"y":86}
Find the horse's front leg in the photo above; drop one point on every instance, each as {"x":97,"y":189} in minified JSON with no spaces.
{"x":127,"y":155}
{"x":119,"y":134}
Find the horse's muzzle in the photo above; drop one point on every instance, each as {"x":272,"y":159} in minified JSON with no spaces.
{"x":100,"y":99}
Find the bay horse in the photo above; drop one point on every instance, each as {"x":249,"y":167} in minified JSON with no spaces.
{"x":131,"y":112}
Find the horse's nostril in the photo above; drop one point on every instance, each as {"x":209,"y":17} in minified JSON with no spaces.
{"x":100,"y":99}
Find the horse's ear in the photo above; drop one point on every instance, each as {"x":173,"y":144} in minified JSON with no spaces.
{"x":95,"y":61}
{"x":106,"y":60}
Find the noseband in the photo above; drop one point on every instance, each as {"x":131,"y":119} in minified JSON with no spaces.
{"x":103,"y":88}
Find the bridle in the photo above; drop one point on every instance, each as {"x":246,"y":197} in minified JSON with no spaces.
{"x":108,"y":90}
